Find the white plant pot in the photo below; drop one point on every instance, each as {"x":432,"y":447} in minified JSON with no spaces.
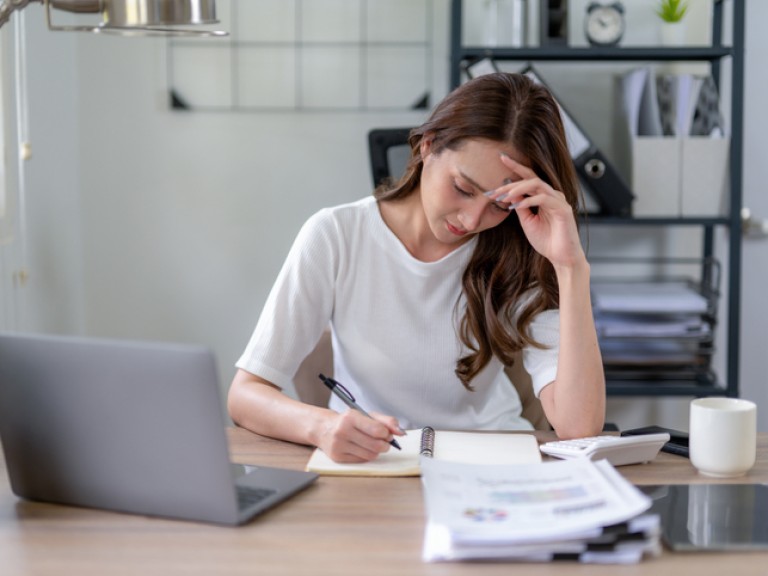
{"x":672,"y":33}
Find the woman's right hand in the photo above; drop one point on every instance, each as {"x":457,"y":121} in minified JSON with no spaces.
{"x":352,"y":437}
{"x":260,"y":406}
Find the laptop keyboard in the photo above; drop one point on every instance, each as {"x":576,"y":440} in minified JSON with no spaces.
{"x":247,"y":496}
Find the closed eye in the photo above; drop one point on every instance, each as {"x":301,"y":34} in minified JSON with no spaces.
{"x":462,"y":191}
{"x":502,"y":207}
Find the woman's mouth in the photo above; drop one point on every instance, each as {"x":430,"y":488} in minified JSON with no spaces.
{"x":455,"y":231}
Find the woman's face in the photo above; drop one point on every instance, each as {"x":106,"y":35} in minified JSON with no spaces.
{"x":452,"y":186}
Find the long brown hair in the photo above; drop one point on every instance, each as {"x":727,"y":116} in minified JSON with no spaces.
{"x":507,"y":282}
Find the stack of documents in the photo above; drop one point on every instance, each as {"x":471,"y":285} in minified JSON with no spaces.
{"x":651,"y":323}
{"x":647,"y":297}
{"x":575,"y":510}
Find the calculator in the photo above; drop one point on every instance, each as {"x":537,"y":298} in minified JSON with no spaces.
{"x":618,"y":450}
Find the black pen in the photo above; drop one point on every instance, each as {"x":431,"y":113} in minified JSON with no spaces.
{"x":338,"y":389}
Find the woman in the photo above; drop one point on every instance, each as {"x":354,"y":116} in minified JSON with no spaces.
{"x":433,"y":284}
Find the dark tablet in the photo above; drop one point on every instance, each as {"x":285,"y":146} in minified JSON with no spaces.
{"x":714,"y":517}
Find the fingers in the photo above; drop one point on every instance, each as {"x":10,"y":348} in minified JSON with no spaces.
{"x":526,"y":190}
{"x":520,"y":169}
{"x":501,"y":196}
{"x":525,"y":194}
{"x":390,"y":422}
{"x":355,"y":437}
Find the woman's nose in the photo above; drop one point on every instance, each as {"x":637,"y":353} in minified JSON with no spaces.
{"x":470,"y":216}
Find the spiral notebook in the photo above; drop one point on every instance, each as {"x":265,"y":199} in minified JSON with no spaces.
{"x":456,"y":446}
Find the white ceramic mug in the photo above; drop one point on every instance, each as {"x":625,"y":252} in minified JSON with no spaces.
{"x":723,"y":436}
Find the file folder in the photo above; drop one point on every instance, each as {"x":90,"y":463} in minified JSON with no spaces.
{"x":594,"y":169}
{"x":611,"y":192}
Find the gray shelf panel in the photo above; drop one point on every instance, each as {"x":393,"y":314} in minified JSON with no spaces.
{"x":653,"y":388}
{"x":688,"y":53}
{"x":597,"y":219}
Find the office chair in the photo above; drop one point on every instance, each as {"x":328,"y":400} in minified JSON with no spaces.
{"x":389,"y":152}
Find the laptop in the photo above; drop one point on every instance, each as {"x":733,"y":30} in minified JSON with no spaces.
{"x":127,"y":426}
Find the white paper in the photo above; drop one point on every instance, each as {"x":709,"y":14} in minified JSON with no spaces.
{"x":630,"y":325}
{"x":527,"y":504}
{"x":467,"y":447}
{"x":439,"y":546}
{"x":647,"y":297}
{"x":640,"y":103}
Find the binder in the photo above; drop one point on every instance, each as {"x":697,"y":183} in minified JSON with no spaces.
{"x":594,"y":169}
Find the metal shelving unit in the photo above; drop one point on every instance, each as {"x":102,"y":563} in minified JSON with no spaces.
{"x":714,"y":55}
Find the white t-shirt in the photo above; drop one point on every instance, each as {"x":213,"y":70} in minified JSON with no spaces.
{"x":393,"y":321}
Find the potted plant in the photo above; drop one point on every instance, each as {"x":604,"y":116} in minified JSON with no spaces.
{"x":672,"y":10}
{"x":672,"y":13}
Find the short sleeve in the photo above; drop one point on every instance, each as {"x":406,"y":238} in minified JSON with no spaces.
{"x":541,"y":363}
{"x":298,"y":307}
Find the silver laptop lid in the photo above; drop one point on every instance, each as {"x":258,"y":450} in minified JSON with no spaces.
{"x":127,"y":426}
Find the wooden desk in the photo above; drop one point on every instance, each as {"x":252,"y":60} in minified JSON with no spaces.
{"x":338,"y":527}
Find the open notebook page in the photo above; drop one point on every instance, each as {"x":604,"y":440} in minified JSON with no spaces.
{"x":455,"y":446}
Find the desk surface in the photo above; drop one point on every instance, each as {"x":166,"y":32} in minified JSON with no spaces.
{"x":339,"y":526}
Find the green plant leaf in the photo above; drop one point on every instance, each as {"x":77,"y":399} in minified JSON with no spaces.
{"x":672,"y":10}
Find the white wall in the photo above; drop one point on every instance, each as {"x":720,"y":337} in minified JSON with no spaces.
{"x":52,"y":297}
{"x":149,"y":223}
{"x":754,"y":331}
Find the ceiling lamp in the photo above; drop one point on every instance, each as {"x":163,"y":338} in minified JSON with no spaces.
{"x":163,"y":17}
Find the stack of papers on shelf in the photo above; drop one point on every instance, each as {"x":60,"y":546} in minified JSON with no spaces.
{"x":631,"y":325}
{"x":567,"y":510}
{"x":651,"y":323}
{"x":654,"y":353}
{"x":647,"y":298}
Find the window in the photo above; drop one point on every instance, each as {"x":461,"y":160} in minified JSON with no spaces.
{"x":308,"y":55}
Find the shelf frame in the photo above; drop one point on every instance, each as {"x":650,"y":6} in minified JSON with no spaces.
{"x":714,"y":54}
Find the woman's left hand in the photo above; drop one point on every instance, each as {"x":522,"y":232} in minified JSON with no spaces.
{"x":545,"y":215}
